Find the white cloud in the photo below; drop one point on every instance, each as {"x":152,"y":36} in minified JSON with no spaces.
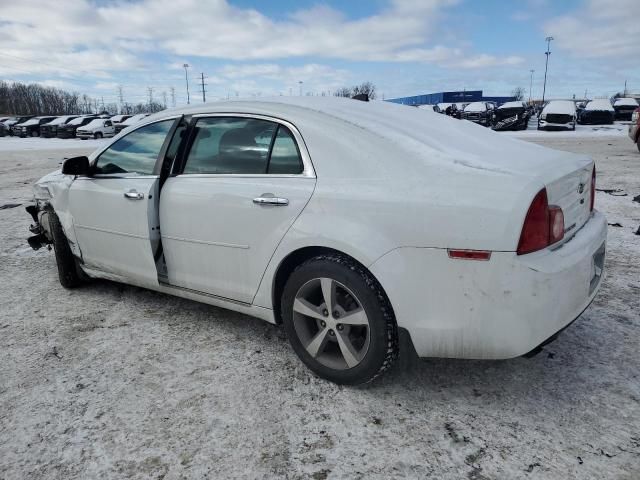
{"x":601,"y":29}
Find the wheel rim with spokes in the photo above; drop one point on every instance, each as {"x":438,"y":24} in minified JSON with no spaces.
{"x":331,"y":323}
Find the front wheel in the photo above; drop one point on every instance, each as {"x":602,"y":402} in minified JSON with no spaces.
{"x":68,"y":271}
{"x":35,"y":133}
{"x":339,"y":320}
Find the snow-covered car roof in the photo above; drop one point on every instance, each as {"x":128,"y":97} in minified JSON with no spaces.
{"x":369,"y":133}
{"x":135,"y":119}
{"x":632,"y":102}
{"x":60,"y":120}
{"x":562,"y":107}
{"x":98,"y":122}
{"x":476,"y":107}
{"x":518,"y":104}
{"x":77,"y":121}
{"x":32,"y":121}
{"x":118,"y":118}
{"x":599,"y":104}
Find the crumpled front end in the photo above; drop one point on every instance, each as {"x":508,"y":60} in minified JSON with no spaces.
{"x":51,"y":193}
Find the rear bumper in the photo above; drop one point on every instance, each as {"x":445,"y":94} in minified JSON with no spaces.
{"x":496,"y":309}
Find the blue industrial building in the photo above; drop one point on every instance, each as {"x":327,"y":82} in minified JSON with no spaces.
{"x":466,"y":96}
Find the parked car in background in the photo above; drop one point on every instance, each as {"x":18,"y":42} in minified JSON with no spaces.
{"x":50,"y":130}
{"x":68,"y":130}
{"x":597,"y":112}
{"x":624,"y":108}
{"x":558,"y":115}
{"x":511,"y":116}
{"x":235,"y":204}
{"x":479,"y":112}
{"x":634,"y":128}
{"x":31,"y":127}
{"x":116,"y":119}
{"x":130,"y":121}
{"x":15,"y":121}
{"x":4,"y":131}
{"x":97,"y":128}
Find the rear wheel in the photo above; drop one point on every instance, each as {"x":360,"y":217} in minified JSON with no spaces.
{"x":339,"y":320}
{"x":35,"y":133}
{"x":97,"y":135}
{"x":68,"y":270}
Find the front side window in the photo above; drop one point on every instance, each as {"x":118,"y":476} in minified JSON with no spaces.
{"x":249,"y":146}
{"x":136,"y":152}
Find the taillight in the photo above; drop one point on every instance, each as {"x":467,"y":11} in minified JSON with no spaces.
{"x":593,"y":188}
{"x":543,"y":225}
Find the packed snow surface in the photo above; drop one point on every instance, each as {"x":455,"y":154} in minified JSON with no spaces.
{"x":8,"y":144}
{"x":599,"y":104}
{"x":113,"y":381}
{"x":562,"y":107}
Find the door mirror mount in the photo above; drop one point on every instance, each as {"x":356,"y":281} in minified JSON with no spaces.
{"x":76,"y":166}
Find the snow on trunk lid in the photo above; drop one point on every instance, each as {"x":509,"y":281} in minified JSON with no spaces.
{"x":572,"y":193}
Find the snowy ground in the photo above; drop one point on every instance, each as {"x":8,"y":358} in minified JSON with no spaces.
{"x":11,"y":144}
{"x":111,"y":381}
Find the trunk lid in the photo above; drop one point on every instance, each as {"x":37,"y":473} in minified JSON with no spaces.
{"x":572,"y":193}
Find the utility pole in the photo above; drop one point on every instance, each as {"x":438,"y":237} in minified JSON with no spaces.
{"x":164,"y":99}
{"x":531,"y":85}
{"x":150,"y":90}
{"x":546,"y":66}
{"x":173,"y":97}
{"x":102,"y":101}
{"x":204,"y":97}
{"x":625,"y":88}
{"x":186,"y":79}
{"x":300,"y":82}
{"x":120,"y":97}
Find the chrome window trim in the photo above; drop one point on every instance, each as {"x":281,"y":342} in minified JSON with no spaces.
{"x":307,"y":165}
{"x":106,"y":176}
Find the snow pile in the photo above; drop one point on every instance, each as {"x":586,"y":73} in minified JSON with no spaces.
{"x":476,"y":107}
{"x":511,"y":105}
{"x":631,"y":102}
{"x":561,"y":107}
{"x":599,"y":104}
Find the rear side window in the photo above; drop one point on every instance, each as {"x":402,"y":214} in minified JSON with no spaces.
{"x":285,"y":157}
{"x":136,"y":152}
{"x":242,"y":146}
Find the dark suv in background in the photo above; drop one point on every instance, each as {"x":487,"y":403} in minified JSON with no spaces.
{"x":31,"y":127}
{"x":16,"y":121}
{"x":50,"y":130}
{"x":68,"y":130}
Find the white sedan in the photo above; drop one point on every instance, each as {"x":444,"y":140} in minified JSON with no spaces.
{"x":343,"y":220}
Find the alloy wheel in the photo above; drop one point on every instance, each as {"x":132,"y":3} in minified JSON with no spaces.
{"x":331,"y":323}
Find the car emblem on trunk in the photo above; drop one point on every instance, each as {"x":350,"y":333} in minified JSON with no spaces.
{"x":581,"y":188}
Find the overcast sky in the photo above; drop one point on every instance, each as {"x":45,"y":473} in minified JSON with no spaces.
{"x":250,"y":47}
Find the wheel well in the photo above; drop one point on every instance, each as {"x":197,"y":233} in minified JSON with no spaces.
{"x":288,"y":265}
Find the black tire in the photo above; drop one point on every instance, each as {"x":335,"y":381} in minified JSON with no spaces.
{"x":383,"y":331}
{"x":35,"y":133}
{"x":97,"y":135}
{"x":68,"y":271}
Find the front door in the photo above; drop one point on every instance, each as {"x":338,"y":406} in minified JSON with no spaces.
{"x":242,"y":184}
{"x":114,"y":211}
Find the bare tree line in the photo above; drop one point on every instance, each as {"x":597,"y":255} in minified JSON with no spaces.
{"x":364,"y":88}
{"x":33,"y":99}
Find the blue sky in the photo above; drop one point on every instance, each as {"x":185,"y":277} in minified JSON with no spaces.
{"x":250,"y":48}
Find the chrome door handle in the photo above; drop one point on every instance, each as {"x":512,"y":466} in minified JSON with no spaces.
{"x":133,"y":195}
{"x":270,"y":199}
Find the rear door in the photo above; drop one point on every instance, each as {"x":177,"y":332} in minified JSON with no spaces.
{"x":242,"y":183}
{"x":115,"y":210}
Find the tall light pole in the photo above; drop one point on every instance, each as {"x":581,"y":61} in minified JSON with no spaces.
{"x":530,"y":85}
{"x":300,"y":83}
{"x":186,"y":79}
{"x":546,"y":66}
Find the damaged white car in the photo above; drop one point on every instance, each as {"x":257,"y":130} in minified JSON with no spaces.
{"x":345,"y":221}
